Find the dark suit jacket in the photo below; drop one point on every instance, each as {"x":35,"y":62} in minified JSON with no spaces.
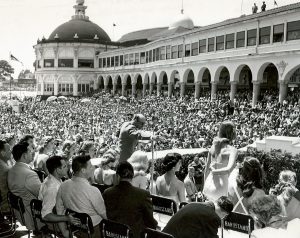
{"x":131,"y":206}
{"x":128,"y":140}
{"x":195,"y":220}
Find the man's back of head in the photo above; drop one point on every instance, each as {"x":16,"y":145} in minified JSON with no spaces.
{"x":19,"y":150}
{"x":125,"y":170}
{"x":81,"y":166}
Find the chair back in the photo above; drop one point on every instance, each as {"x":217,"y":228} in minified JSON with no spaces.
{"x":16,"y":203}
{"x":36,"y":211}
{"x":150,"y":233}
{"x":42,"y":175}
{"x":238,"y":222}
{"x":101,"y":187}
{"x":86,"y":224}
{"x":110,"y":229}
{"x":164,"y":205}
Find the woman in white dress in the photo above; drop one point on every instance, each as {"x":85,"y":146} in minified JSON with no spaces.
{"x":220,"y":162}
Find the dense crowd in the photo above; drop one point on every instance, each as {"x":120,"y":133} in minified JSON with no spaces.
{"x":60,"y":138}
{"x":184,"y":123}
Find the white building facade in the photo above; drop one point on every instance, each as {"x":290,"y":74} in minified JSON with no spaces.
{"x":255,"y":52}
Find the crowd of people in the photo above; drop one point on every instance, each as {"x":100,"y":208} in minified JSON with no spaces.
{"x":62,"y":138}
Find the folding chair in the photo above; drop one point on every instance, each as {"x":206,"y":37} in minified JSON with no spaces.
{"x":36,"y":211}
{"x":165,"y":209}
{"x":42,"y":175}
{"x":150,"y":233}
{"x":238,"y":222}
{"x":110,"y":229}
{"x":86,"y":224}
{"x":16,"y":203}
{"x":101,"y":187}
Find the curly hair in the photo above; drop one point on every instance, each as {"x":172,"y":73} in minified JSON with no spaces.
{"x":250,"y":176}
{"x":265,"y":207}
{"x":286,"y":190}
{"x":170,"y":161}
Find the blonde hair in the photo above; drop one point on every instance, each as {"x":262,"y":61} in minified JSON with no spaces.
{"x":139,"y":162}
{"x":288,"y":176}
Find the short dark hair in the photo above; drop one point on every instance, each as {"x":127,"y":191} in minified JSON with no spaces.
{"x":53,"y":163}
{"x":26,"y":138}
{"x":225,"y":204}
{"x":79,"y":162}
{"x":125,"y":170}
{"x":19,"y":149}
{"x":2,"y":143}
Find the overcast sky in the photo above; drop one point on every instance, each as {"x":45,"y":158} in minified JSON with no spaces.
{"x":22,"y":22}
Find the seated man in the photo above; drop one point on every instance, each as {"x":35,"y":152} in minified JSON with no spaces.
{"x":190,"y":186}
{"x":5,"y":155}
{"x":23,"y":181}
{"x":127,"y":204}
{"x":57,"y":168}
{"x":78,"y":195}
{"x":200,"y":220}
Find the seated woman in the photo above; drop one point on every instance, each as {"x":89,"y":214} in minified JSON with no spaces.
{"x":168,"y":185}
{"x":267,"y":213}
{"x":139,"y":162}
{"x":105,"y":174}
{"x":248,"y":186}
{"x":286,"y":193}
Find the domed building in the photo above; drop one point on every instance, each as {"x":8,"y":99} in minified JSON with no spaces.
{"x":257,"y":52}
{"x":67,"y":62}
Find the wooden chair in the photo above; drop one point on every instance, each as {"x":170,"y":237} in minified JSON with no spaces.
{"x":16,"y":204}
{"x":238,"y":222}
{"x":86,"y":224}
{"x":42,"y":175}
{"x":101,"y":187}
{"x":36,"y":212}
{"x":110,"y":229}
{"x":164,"y":205}
{"x":150,"y":233}
{"x":164,"y":209}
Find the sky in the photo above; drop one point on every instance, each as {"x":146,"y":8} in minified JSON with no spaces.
{"x":22,"y":22}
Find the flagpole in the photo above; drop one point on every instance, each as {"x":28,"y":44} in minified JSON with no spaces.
{"x":242,"y":7}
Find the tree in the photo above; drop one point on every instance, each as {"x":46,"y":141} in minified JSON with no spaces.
{"x":5,"y":69}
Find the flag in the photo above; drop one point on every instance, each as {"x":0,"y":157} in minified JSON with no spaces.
{"x":275,"y":3}
{"x":14,"y":58}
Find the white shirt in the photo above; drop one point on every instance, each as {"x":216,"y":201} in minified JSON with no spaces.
{"x":47,"y":194}
{"x":78,"y":195}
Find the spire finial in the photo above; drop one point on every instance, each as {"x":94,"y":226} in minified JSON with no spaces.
{"x":80,"y":10}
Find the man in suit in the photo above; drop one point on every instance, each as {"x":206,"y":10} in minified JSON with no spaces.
{"x":23,"y":181}
{"x":190,"y":186}
{"x":5,"y":154}
{"x":199,"y":220}
{"x":127,"y":204}
{"x":130,"y":133}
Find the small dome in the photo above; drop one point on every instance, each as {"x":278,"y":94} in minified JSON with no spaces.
{"x":85,"y":30}
{"x":182,"y":21}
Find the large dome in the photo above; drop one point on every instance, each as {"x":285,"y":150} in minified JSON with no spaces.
{"x":85,"y":30}
{"x":182,"y":21}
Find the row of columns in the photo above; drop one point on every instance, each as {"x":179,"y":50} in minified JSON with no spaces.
{"x":214,"y":87}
